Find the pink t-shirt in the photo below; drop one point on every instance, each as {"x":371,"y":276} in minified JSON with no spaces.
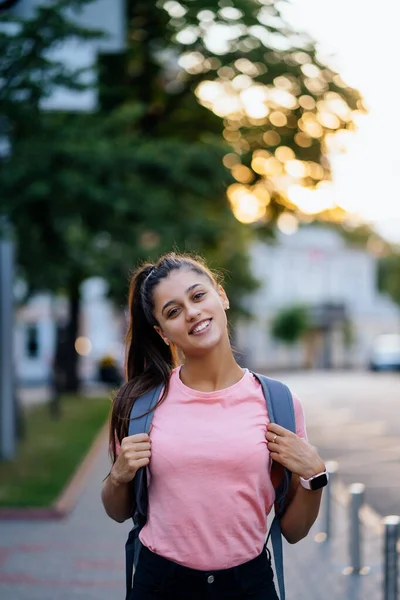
{"x":209,"y":486}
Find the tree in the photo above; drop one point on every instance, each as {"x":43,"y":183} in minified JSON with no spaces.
{"x":389,"y":276}
{"x":276,"y":104}
{"x":29,"y":72}
{"x":151,"y":171}
{"x":97,"y":205}
{"x":290,"y":324}
{"x":293,"y":324}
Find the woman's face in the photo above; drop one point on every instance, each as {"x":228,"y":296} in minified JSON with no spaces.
{"x":190,"y":311}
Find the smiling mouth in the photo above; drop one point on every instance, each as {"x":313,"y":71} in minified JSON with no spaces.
{"x":201,"y":327}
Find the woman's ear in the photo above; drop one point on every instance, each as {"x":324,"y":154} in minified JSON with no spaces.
{"x":161,"y":334}
{"x":223,"y":297}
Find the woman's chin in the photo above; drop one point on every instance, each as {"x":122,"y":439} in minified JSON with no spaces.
{"x":202,"y":345}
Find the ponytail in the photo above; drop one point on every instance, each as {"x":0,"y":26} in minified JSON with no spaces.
{"x":147,"y":355}
{"x":149,"y":361}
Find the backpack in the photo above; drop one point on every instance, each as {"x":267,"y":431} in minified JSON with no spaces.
{"x":280,"y":410}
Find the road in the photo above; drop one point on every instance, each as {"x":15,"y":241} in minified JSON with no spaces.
{"x":354,"y":418}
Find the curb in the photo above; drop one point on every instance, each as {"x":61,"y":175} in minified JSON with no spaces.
{"x":68,"y":498}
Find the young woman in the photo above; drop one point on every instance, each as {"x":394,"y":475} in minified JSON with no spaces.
{"x":210,"y":449}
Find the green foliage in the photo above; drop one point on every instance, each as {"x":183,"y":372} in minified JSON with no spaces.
{"x":349,"y":334}
{"x":99,"y":203}
{"x":94,"y":194}
{"x":389,"y":276}
{"x":171,"y":50}
{"x":148,"y":175}
{"x":290,"y":324}
{"x":29,"y":71}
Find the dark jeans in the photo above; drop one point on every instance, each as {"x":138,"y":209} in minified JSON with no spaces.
{"x":157,"y":578}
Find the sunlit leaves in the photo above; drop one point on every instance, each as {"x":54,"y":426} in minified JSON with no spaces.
{"x":268,"y":86}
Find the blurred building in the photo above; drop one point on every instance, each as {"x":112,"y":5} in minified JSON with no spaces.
{"x":338,"y":284}
{"x":103,"y":15}
{"x":102,"y":327}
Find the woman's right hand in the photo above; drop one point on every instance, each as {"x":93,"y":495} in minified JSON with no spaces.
{"x":135,"y":453}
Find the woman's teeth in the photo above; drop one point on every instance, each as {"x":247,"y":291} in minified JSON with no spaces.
{"x":201,"y":326}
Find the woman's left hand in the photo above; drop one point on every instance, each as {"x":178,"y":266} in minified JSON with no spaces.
{"x":292,"y":452}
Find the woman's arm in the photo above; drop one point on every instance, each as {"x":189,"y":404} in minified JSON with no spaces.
{"x":301,"y":512}
{"x":117,"y":492}
{"x":297,"y":455}
{"x":117,"y":499}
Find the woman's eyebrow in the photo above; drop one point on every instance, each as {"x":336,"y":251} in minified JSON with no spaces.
{"x":192,"y":287}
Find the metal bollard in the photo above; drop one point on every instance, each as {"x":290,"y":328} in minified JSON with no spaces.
{"x":390,"y":560}
{"x":356,"y":492}
{"x":332,"y":467}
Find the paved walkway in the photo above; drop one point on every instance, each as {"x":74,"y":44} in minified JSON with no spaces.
{"x":82,"y":557}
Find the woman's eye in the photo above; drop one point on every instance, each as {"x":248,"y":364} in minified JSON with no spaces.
{"x":172,"y":312}
{"x":198,"y":296}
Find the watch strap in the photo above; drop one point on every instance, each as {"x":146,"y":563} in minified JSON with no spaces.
{"x":306,"y":483}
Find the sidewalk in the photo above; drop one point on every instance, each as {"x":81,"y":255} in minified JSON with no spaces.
{"x":82,"y":557}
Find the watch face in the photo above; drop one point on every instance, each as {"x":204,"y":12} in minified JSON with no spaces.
{"x":319,"y":482}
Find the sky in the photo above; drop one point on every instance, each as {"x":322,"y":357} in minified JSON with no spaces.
{"x":360,"y":37}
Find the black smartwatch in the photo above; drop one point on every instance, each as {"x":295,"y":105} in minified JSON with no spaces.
{"x":316,"y":482}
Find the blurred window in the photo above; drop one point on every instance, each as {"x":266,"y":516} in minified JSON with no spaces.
{"x":32,"y":341}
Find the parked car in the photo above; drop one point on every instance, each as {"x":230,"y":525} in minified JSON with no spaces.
{"x":385,"y":353}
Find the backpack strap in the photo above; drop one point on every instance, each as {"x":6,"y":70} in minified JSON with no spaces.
{"x":141,"y":417}
{"x":280,"y":409}
{"x":140,"y":422}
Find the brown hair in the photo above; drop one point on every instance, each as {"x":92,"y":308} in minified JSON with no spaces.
{"x":149,"y":361}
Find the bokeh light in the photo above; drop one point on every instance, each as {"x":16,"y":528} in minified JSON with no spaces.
{"x":271,"y":138}
{"x":83,"y":346}
{"x":303,"y":140}
{"x":242,"y":173}
{"x":246,"y":207}
{"x":230,"y":160}
{"x":312,"y":200}
{"x":296,"y":168}
{"x":278,"y":118}
{"x":287,"y":118}
{"x":287,"y":223}
{"x":284,"y":153}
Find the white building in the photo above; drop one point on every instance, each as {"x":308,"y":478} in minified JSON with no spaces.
{"x":101,"y":332}
{"x":315,"y":267}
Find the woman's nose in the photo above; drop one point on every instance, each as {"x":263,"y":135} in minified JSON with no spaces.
{"x":192,"y":312}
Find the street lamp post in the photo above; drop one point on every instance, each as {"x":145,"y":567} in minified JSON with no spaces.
{"x":7,"y":405}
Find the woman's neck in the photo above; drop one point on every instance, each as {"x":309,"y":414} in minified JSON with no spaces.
{"x":212,"y":372}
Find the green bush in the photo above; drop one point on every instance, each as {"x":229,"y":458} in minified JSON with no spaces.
{"x":290,"y":324}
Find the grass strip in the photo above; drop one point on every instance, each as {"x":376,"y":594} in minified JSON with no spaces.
{"x":51,"y":451}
